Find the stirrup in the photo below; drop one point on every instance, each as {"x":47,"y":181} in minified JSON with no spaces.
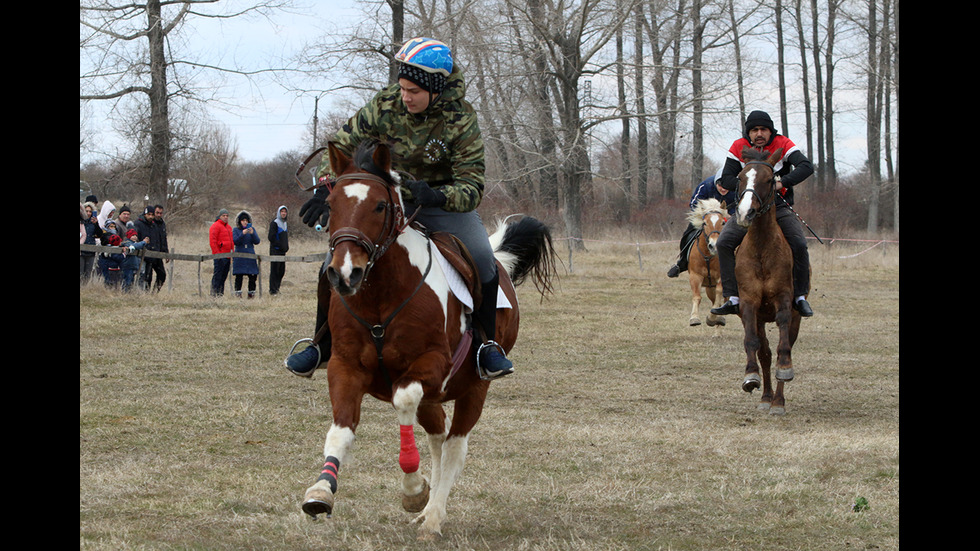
{"x":291,"y":350}
{"x":481,"y":369}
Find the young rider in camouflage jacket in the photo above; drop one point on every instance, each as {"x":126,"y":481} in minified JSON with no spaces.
{"x":435,"y":139}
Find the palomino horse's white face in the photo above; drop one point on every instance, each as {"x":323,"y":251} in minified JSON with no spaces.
{"x":713,"y":223}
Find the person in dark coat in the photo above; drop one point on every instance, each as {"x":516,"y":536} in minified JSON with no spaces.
{"x":146,"y":227}
{"x":278,"y":246}
{"x":90,"y":224}
{"x":245,"y":238}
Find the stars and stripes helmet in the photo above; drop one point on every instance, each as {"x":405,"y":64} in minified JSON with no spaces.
{"x":428,"y":54}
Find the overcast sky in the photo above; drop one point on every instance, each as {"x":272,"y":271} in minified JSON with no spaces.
{"x":267,"y":119}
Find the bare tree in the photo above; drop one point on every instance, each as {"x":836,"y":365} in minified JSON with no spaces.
{"x":117,"y":65}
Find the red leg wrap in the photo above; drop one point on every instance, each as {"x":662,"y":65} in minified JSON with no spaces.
{"x":408,"y":458}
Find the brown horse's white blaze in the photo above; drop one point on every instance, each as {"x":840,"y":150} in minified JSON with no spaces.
{"x":763,"y":268}
{"x":395,"y":325}
{"x":703,"y":268}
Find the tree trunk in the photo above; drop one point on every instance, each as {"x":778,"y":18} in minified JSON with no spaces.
{"x":159,"y":118}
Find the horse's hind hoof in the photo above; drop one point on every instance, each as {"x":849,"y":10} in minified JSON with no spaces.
{"x":695,"y":322}
{"x":751,"y":382}
{"x":780,"y":411}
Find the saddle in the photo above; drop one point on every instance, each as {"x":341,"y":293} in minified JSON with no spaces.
{"x":459,"y":257}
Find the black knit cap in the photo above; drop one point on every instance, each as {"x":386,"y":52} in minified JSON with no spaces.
{"x":759,"y":118}
{"x":434,"y":83}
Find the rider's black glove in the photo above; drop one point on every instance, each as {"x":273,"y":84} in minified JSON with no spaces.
{"x":425,"y":195}
{"x":316,"y":208}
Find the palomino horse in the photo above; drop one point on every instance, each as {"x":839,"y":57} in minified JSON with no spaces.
{"x":702,"y":261}
{"x":397,"y":327}
{"x":764,"y":271}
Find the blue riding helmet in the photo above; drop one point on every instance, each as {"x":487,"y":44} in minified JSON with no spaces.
{"x":428,"y":54}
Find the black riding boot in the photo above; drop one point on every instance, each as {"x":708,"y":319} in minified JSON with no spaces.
{"x":305,"y":362}
{"x":491,"y":360}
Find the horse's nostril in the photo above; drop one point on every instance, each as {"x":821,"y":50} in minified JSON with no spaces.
{"x":355,"y":277}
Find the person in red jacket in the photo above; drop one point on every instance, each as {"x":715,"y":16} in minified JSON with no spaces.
{"x":221,"y":242}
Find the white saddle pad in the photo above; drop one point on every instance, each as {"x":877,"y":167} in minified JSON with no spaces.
{"x":458,"y":286}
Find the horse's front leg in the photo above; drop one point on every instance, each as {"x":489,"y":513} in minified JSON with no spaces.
{"x":752,"y":379}
{"x":784,"y":360}
{"x":765,"y":359}
{"x":714,"y":294}
{"x":695,"y":299}
{"x":345,"y":396}
{"x":415,"y":489}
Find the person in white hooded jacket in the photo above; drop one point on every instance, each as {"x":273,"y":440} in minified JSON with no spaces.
{"x":278,"y":246}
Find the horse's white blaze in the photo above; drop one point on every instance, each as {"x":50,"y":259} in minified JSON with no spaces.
{"x":339,"y":440}
{"x":357,"y":191}
{"x":745,"y":205}
{"x":713,"y":218}
{"x":406,"y":401}
{"x":347,"y":267}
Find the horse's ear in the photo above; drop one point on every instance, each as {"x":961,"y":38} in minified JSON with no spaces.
{"x":724,"y":207}
{"x":338,"y":161}
{"x":774,"y":158}
{"x":382,"y":157}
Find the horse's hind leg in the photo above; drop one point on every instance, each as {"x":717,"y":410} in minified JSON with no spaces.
{"x":465,"y":415}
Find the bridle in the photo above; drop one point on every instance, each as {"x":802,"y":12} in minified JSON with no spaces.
{"x":395,"y":223}
{"x":764,"y":204}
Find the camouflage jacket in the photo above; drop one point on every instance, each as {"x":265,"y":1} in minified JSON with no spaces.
{"x":441,"y":145}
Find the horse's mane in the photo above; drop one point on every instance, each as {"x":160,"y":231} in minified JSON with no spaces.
{"x":702,"y":208}
{"x":363,"y":159}
{"x":753,"y":154}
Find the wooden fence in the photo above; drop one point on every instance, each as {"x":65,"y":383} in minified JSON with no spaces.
{"x":201,"y":258}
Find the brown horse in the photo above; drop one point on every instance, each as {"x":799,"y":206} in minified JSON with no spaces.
{"x":702,"y":261}
{"x":764,"y":270}
{"x":397,"y":328}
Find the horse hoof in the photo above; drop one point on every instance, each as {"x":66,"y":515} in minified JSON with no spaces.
{"x":777,"y":411}
{"x":415,"y":503}
{"x":764,"y":406}
{"x":695,"y":321}
{"x":751,"y":382}
{"x":317,"y":502}
{"x":785,"y":375}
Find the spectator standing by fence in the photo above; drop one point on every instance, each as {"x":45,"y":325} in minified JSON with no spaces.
{"x":146,"y":227}
{"x":131,"y":264}
{"x":245,"y":238}
{"x":278,"y":246}
{"x":220,"y":237}
{"x":86,"y":259}
{"x":123,"y":222}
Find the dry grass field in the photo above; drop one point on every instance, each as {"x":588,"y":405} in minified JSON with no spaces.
{"x":622,"y":429}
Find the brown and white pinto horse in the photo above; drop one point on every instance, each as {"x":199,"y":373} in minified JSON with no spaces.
{"x":703,"y":269}
{"x":764,"y":271}
{"x":396,"y":326}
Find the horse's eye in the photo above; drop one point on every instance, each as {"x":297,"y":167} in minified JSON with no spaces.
{"x":381,"y":207}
